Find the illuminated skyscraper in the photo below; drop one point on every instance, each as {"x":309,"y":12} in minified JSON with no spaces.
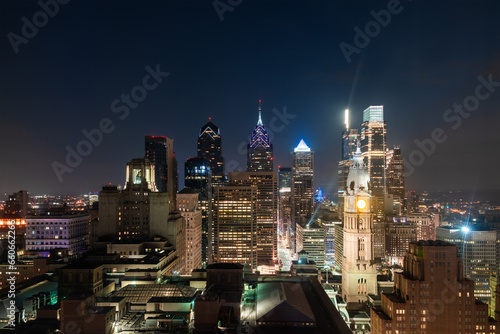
{"x":302,"y":185}
{"x":284,"y":202}
{"x":395,"y":175}
{"x":350,"y":139}
{"x":479,"y":248}
{"x":198,"y":175}
{"x":284,"y":177}
{"x":266,"y":184}
{"x":260,"y":149}
{"x":373,"y":147}
{"x":188,"y":206}
{"x":160,"y":152}
{"x":210,"y":148}
{"x":359,"y":274}
{"x":235,"y":221}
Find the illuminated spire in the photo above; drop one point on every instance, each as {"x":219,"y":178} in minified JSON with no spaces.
{"x":302,"y":147}
{"x":260,"y":113}
{"x":346,"y":119}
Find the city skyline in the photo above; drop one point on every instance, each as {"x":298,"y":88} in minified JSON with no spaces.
{"x":65,"y":78}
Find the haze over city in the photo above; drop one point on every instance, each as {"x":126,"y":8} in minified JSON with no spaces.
{"x":64,"y":79}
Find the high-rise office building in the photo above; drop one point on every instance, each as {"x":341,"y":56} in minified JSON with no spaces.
{"x":266,"y":197}
{"x":137,"y":213}
{"x":331,"y":241}
{"x":302,"y":183}
{"x":479,"y":248}
{"x":339,"y":246}
{"x":412,"y":201}
{"x":431,"y":295}
{"x":235,"y":221}
{"x":399,"y":232}
{"x":198,"y":175}
{"x":350,"y":139}
{"x":313,"y":242}
{"x":160,"y":152}
{"x":188,"y":206}
{"x":395,"y":175}
{"x":373,"y":147}
{"x":284,"y":177}
{"x":260,"y":149}
{"x":284,"y":203}
{"x":359,"y":274}
{"x":210,"y":148}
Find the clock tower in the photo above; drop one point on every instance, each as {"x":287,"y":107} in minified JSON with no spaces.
{"x":359,"y":275}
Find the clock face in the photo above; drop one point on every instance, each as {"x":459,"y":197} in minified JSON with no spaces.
{"x":361,"y":204}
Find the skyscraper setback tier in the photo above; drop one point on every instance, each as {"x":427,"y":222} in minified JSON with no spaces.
{"x":260,"y":149}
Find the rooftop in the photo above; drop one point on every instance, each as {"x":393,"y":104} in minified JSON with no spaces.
{"x":225,"y":266}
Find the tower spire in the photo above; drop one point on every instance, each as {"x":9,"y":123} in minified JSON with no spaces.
{"x":346,"y":119}
{"x":260,"y":113}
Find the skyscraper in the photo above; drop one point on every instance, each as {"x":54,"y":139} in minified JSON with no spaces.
{"x":266,"y":184}
{"x":284,"y":203}
{"x":395,"y":175}
{"x":188,"y":206}
{"x":431,"y":295}
{"x":350,"y":139}
{"x":260,"y":149}
{"x":302,"y":183}
{"x":198,"y":175}
{"x":160,"y":152}
{"x":284,"y":177}
{"x":210,"y":148}
{"x":235,"y":224}
{"x":137,"y":213}
{"x":313,"y":242}
{"x":359,"y":275}
{"x":373,"y":147}
{"x":479,"y":248}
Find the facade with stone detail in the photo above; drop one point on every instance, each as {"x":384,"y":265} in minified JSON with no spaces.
{"x":359,"y":274}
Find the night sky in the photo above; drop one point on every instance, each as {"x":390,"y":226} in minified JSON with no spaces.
{"x":64,"y":80}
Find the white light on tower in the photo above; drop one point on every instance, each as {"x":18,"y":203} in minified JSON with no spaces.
{"x":346,"y":119}
{"x":465,"y":229}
